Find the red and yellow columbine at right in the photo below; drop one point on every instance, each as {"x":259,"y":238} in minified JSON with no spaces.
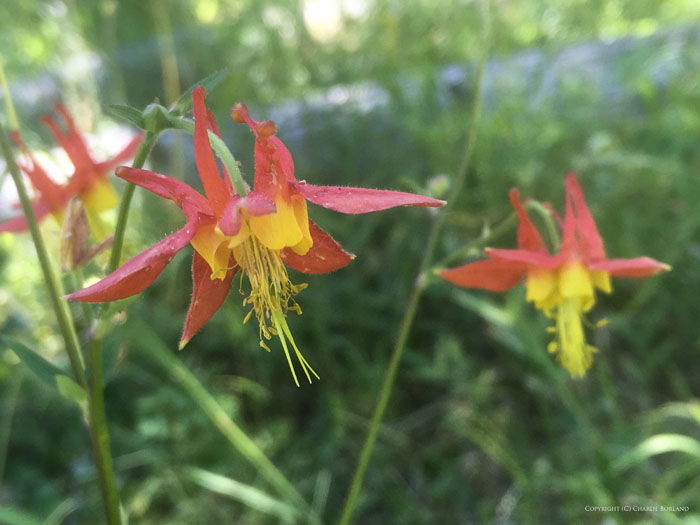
{"x":561,"y":285}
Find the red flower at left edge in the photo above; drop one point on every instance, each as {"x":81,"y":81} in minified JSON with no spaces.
{"x":88,"y":182}
{"x":259,"y":233}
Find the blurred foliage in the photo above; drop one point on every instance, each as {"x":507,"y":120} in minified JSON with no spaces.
{"x":484,"y":427}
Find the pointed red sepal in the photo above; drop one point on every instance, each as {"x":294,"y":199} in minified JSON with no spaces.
{"x":19,"y":224}
{"x":360,"y":200}
{"x":53,"y":193}
{"x":177,"y":191}
{"x":637,"y":267}
{"x":120,"y":158}
{"x":255,"y":203}
{"x":214,"y":186}
{"x":533,"y":258}
{"x":326,"y":255}
{"x":528,"y":236}
{"x":207,"y":296}
{"x":494,"y":275}
{"x":71,"y":141}
{"x":139,"y":272}
{"x":579,"y":231}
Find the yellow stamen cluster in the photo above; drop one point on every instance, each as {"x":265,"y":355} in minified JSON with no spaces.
{"x":565,"y":294}
{"x":571,"y":348}
{"x":271,"y":296}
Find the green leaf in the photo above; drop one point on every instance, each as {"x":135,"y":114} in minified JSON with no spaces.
{"x":44,"y":370}
{"x":14,"y":516}
{"x":183,"y":104}
{"x":658,"y":444}
{"x":246,"y":494}
{"x":127,"y":113}
{"x":71,"y":390}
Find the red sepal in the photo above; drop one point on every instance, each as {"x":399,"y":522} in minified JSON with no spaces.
{"x":214,"y":186}
{"x":494,"y":275}
{"x":207,"y":296}
{"x":326,"y":255}
{"x":360,"y":200}
{"x":532,"y":258}
{"x":528,"y":236}
{"x":140,"y":271}
{"x":19,"y":224}
{"x":177,"y":191}
{"x":120,"y":158}
{"x":637,"y":267}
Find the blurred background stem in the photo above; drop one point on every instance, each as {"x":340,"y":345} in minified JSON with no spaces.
{"x":145,"y":147}
{"x":95,"y":406}
{"x":171,"y":78}
{"x":422,"y":279}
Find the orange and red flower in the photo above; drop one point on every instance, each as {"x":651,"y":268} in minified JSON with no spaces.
{"x":258,"y":233}
{"x":561,"y":285}
{"x":88,"y":181}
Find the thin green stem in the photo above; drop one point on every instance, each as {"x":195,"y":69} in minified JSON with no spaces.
{"x":546,"y":215}
{"x":496,"y":232}
{"x":53,"y":283}
{"x":420,"y":284}
{"x":149,"y":139}
{"x":100,"y":435}
{"x":5,"y":88}
{"x":96,"y":419}
{"x":222,"y":151}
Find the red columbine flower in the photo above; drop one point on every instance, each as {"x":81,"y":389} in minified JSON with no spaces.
{"x":88,"y":181}
{"x":561,"y":285}
{"x":258,"y":233}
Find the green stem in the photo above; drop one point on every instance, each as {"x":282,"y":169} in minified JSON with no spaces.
{"x":546,"y":216}
{"x":53,"y":283}
{"x":496,"y":232}
{"x":5,"y":88}
{"x":100,"y":435}
{"x":96,"y":419}
{"x":419,"y":286}
{"x":220,"y":148}
{"x":149,"y":139}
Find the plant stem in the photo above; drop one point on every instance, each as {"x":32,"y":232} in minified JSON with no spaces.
{"x":220,"y":148}
{"x":546,"y":215}
{"x":96,"y":417}
{"x":496,"y":232}
{"x":53,"y":283}
{"x":420,"y":284}
{"x":100,"y":434}
{"x":5,"y":88}
{"x":149,"y":139}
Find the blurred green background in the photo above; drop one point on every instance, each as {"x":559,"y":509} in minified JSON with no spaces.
{"x":484,"y":426}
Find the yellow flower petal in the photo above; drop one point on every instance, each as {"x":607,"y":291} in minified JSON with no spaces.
{"x":302,"y":216}
{"x":213,"y":246}
{"x":542,"y":288}
{"x":99,"y":197}
{"x":277,"y":230}
{"x":601,"y":280}
{"x":575,"y":281}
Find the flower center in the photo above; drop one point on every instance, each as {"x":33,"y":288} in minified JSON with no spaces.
{"x":271,"y":295}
